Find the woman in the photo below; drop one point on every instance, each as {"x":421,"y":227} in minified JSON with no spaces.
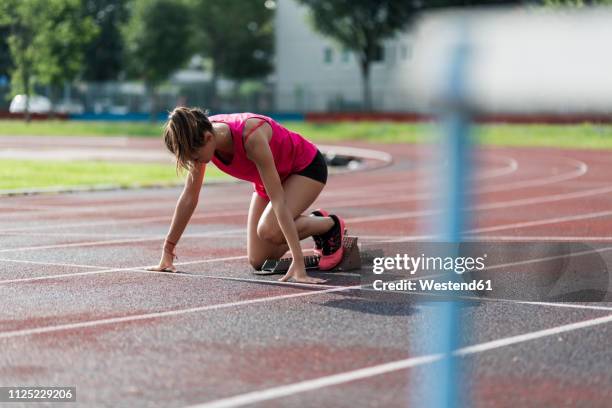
{"x":288,"y":174}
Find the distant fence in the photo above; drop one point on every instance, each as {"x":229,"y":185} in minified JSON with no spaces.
{"x":329,"y":117}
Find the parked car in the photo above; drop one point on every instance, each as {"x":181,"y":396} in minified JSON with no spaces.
{"x":38,"y":104}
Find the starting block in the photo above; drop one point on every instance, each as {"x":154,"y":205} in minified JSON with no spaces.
{"x":351,"y":260}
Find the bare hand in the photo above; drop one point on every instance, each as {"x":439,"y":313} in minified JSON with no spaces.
{"x":297,"y":273}
{"x":165,"y":264}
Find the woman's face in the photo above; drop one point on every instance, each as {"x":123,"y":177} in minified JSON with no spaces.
{"x":206,"y":152}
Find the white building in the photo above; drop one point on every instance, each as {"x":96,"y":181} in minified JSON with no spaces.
{"x":313,"y":73}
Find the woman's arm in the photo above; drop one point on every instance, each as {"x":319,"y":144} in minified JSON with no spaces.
{"x":258,"y":150}
{"x":187,"y":203}
{"x":183,"y":211}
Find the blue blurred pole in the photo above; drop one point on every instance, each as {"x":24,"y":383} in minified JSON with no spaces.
{"x":442,"y":387}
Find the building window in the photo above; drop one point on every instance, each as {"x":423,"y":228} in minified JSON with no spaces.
{"x":328,"y":55}
{"x":346,"y":55}
{"x":405,"y":52}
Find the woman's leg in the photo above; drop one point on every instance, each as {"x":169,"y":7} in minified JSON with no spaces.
{"x":258,"y":250}
{"x":265,"y":238}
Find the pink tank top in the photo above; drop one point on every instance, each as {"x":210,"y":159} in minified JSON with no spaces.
{"x":292,"y":153}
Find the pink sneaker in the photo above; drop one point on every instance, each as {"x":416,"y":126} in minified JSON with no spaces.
{"x":318,"y":239}
{"x":332,"y":245}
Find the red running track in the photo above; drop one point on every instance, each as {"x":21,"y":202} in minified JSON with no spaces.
{"x":78,"y":309}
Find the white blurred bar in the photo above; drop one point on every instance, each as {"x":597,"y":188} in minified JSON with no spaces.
{"x":520,"y":60}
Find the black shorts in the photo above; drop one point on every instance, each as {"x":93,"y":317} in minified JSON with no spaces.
{"x":317,"y":169}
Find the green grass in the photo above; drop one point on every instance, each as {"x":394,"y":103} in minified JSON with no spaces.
{"x":30,"y":174}
{"x":379,"y":132}
{"x":78,"y":128}
{"x":568,"y":136}
{"x":584,"y":136}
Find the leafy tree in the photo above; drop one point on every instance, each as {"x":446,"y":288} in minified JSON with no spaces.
{"x":104,"y":55}
{"x":238,"y":37}
{"x":21,"y":19}
{"x":361,"y":26}
{"x":61,"y":52}
{"x":46,"y":39}
{"x":157,"y":42}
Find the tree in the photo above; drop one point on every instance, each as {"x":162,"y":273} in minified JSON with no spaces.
{"x":157,"y":42}
{"x":104,"y":55}
{"x":61,"y":53}
{"x":238,"y":37}
{"x":45,"y":40}
{"x":361,"y":26}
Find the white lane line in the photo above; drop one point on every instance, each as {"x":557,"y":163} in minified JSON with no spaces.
{"x":50,"y":263}
{"x":490,"y":345}
{"x":534,"y":223}
{"x":140,"y":220}
{"x":546,"y":199}
{"x":513,"y":301}
{"x":318,"y":383}
{"x":511,"y":167}
{"x":155,"y":315}
{"x":551,"y":304}
{"x":118,"y":241}
{"x":68,"y":141}
{"x":131,"y":206}
{"x":581,"y":169}
{"x":521,"y":302}
{"x":506,"y":204}
{"x":470,"y":234}
{"x":542,"y":238}
{"x":372,"y":371}
{"x":490,"y":206}
{"x":110,"y":270}
{"x":70,"y":234}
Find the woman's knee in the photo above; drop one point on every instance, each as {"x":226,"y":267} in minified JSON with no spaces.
{"x":256,"y":262}
{"x":270,"y":232}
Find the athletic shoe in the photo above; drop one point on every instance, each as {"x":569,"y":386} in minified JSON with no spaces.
{"x":332,"y":246}
{"x":318,"y":239}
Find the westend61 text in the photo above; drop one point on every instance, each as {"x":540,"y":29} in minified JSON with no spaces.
{"x":432,"y":285}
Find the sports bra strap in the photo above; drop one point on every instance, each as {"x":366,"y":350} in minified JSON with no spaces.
{"x":244,"y":139}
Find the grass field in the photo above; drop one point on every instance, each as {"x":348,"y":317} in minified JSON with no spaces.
{"x":30,"y":174}
{"x":23,"y":174}
{"x":570,"y":136}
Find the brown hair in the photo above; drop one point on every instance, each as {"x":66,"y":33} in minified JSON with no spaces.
{"x":183,"y":134}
